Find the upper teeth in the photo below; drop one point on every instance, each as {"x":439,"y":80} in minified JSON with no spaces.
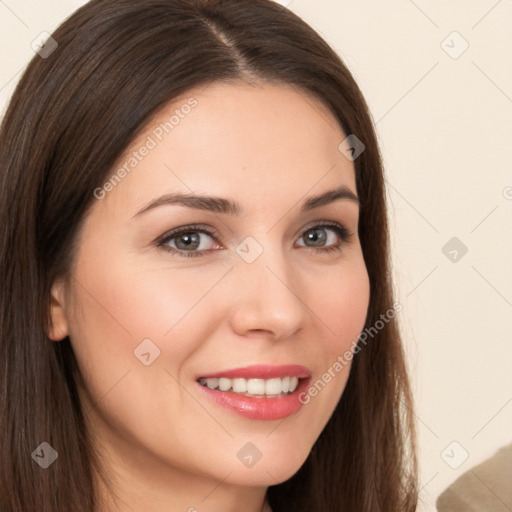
{"x":253,"y":386}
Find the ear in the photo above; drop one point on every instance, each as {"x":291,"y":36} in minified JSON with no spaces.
{"x":58,"y":328}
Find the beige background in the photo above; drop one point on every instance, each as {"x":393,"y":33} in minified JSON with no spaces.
{"x":445,"y":127}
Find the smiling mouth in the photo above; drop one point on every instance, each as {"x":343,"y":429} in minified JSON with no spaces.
{"x":256,"y":388}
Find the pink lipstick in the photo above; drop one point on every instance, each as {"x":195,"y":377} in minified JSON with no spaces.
{"x":262,"y":392}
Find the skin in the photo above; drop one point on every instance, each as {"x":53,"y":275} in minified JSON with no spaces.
{"x":165,"y":444}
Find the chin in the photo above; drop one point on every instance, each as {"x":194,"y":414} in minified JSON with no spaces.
{"x":271,"y":470}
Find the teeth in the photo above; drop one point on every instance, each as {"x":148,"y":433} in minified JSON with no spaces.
{"x":253,"y":387}
{"x":239,"y":385}
{"x":256,"y":387}
{"x":224,"y":384}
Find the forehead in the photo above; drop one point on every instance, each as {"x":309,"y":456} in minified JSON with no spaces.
{"x":249,"y":141}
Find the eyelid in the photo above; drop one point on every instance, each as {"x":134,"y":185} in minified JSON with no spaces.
{"x":325,"y":223}
{"x":187,"y":227}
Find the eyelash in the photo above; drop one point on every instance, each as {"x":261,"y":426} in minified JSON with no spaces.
{"x":341,"y":231}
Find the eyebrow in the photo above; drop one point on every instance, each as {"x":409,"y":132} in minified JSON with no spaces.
{"x":230,"y":207}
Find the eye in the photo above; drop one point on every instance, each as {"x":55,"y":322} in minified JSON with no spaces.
{"x":187,"y":241}
{"x":316,"y":234}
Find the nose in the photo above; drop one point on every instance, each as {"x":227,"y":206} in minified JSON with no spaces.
{"x":267,"y":297}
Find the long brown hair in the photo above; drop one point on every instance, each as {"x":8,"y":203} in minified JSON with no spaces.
{"x":71,"y":116}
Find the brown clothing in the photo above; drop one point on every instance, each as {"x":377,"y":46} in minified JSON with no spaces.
{"x":485,"y":488}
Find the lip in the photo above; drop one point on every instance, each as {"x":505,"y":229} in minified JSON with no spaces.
{"x":258,"y":408}
{"x":262,"y":371}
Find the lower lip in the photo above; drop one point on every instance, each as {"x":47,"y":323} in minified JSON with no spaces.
{"x":258,"y":408}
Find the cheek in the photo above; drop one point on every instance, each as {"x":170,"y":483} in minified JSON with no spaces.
{"x":341,"y":303}
{"x":111,"y":314}
{"x":137,"y":300}
{"x":121,"y":304}
{"x":150,"y":299}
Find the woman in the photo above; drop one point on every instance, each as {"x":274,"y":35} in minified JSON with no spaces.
{"x":170,"y":340}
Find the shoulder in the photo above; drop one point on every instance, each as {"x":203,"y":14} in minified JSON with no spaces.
{"x":486,"y":487}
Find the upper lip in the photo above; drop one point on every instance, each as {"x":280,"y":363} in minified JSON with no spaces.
{"x":261,"y":371}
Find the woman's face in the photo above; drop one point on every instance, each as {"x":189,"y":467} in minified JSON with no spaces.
{"x":146,"y":322}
